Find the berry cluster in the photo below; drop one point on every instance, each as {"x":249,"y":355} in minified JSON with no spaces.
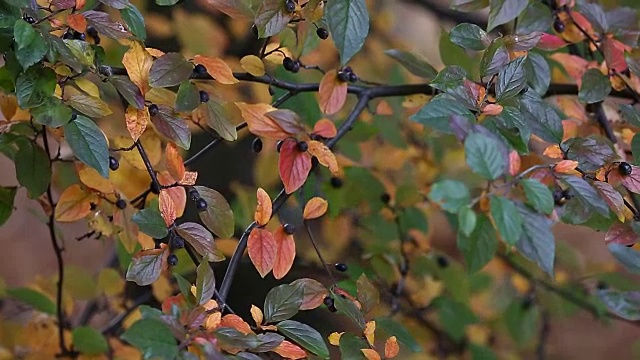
{"x":347,"y":75}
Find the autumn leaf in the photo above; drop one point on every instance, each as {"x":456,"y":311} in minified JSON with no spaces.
{"x":514,"y":163}
{"x":369,"y":332}
{"x":315,"y":208}
{"x":167,"y":207}
{"x":370,"y":354}
{"x":262,"y":249}
{"x":333,"y":93}
{"x":566,"y":167}
{"x":290,"y":351}
{"x":189,"y":178}
{"x":391,"y":348}
{"x":314,"y":293}
{"x":631,"y":181}
{"x":334,"y":338}
{"x":253,"y":65}
{"x":288,"y":120}
{"x":138,"y":63}
{"x":285,"y":253}
{"x":492,"y":109}
{"x":612,"y":197}
{"x":92,"y":179}
{"x":257,"y":315}
{"x":77,"y":22}
{"x":622,"y":234}
{"x":136,"y":120}
{"x":259,"y":124}
{"x":294,"y":165}
{"x":324,"y":155}
{"x":177,"y":193}
{"x":74,"y":204}
{"x":325,"y":128}
{"x":236,"y":322}
{"x":175,"y":165}
{"x":263,"y":209}
{"x":217,"y":68}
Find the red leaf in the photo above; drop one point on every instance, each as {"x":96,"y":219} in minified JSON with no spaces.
{"x":294,"y":165}
{"x":550,"y":42}
{"x":325,"y":128}
{"x":260,"y":124}
{"x":612,"y":197}
{"x":631,"y":181}
{"x":285,"y":253}
{"x":622,"y":234}
{"x":614,"y":55}
{"x":262,"y":250}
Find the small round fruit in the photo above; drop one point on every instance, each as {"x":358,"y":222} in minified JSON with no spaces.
{"x":79,"y":36}
{"x":279,"y":145}
{"x":96,"y":40}
{"x":336,"y":182}
{"x":558,"y":26}
{"x":442,"y":261}
{"x":177,"y":242}
{"x":200,"y":69}
{"x":343,"y":76}
{"x":121,"y":204}
{"x":296,"y":67}
{"x":328,"y":301}
{"x":289,"y":229}
{"x":385,"y":198}
{"x":91,"y":31}
{"x":256,"y":145}
{"x":342,"y":267}
{"x":28,"y":19}
{"x":114,"y":164}
{"x":353,"y":77}
{"x":172,"y":260}
{"x":74,"y":115}
{"x":201,"y":204}
{"x":153,"y":109}
{"x":322,"y":33}
{"x":288,"y":63}
{"x":290,"y":5}
{"x":204,"y":96}
{"x":302,"y":146}
{"x":67,"y":35}
{"x":93,"y":206}
{"x":557,"y":196}
{"x":154,"y":187}
{"x":625,"y":168}
{"x":193,"y":194}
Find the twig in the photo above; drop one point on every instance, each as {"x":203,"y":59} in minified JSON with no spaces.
{"x":147,"y":164}
{"x":541,"y":352}
{"x":403,"y":266}
{"x":315,"y":246}
{"x":604,"y":122}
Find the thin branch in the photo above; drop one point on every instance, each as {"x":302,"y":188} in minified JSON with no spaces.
{"x":403,"y":266}
{"x":604,"y":122}
{"x":315,"y":247}
{"x":147,"y":164}
{"x":543,"y":338}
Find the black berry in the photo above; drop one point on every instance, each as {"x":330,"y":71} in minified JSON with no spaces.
{"x":625,"y":168}
{"x":172,"y":260}
{"x":153,"y":109}
{"x":342,"y":267}
{"x":343,"y":76}
{"x":177,"y":242}
{"x":302,"y":146}
{"x":566,"y":194}
{"x":288,"y":63}
{"x":442,"y":261}
{"x":385,"y":198}
{"x":296,"y":67}
{"x":254,"y":29}
{"x":558,"y":26}
{"x":93,"y":206}
{"x":602,"y":285}
{"x":193,"y":194}
{"x":201,"y":204}
{"x":96,"y":40}
{"x":322,"y":33}
{"x":290,"y":5}
{"x":113,"y":163}
{"x":256,"y":145}
{"x":272,"y":91}
{"x":557,"y":196}
{"x":200,"y":69}
{"x":91,"y":31}
{"x":353,"y":77}
{"x":347,"y":69}
{"x":329,"y":303}
{"x":279,"y":145}
{"x":154,"y":187}
{"x":336,"y":182}
{"x":289,"y":228}
{"x":121,"y":204}
{"x":79,"y":36}
{"x":28,"y":19}
{"x":204,"y":96}
{"x":67,"y":35}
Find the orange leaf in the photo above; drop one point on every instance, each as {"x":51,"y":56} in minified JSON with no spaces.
{"x":257,"y":315}
{"x":333,"y":93}
{"x":136,"y":120}
{"x":262,"y":250}
{"x":259,"y":124}
{"x":154,"y":52}
{"x":294,"y":165}
{"x":370,"y":331}
{"x":177,"y":193}
{"x":77,"y":22}
{"x":175,"y":165}
{"x":91,"y":178}
{"x":138,"y":63}
{"x":574,"y":65}
{"x":324,"y":155}
{"x":315,"y":208}
{"x":391,"y":348}
{"x":263,"y":209}
{"x":285,"y":253}
{"x":383,"y":108}
{"x":290,"y":351}
{"x":217,"y":68}
{"x":80,"y":4}
{"x":325,"y":128}
{"x":236,"y":322}
{"x":553,"y":151}
{"x":370,"y":354}
{"x":189,"y":178}
{"x":74,"y":204}
{"x":514,"y":163}
{"x":566,"y":166}
{"x":167,"y":207}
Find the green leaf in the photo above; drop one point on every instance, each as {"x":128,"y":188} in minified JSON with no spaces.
{"x":185,"y":288}
{"x":537,"y":242}
{"x":542,"y":118}
{"x":630,"y":114}
{"x":454,"y":316}
{"x":205,"y":283}
{"x":7,"y":196}
{"x":31,"y":46}
{"x":393,"y":328}
{"x":469,"y":36}
{"x":33,"y":298}
{"x":586,"y":194}
{"x":350,"y":346}
{"x":169,"y":70}
{"x":469,"y":5}
{"x":218,"y":119}
{"x":538,"y":195}
{"x":166,"y":2}
{"x":591,"y":152}
{"x":624,"y":304}
{"x":503,"y":11}
{"x":635,"y":148}
{"x":536,"y":17}
{"x":537,"y":73}
{"x":187,"y":98}
{"x":271,"y":18}
{"x":33,"y":168}
{"x":480,"y":247}
{"x":282,"y":302}
{"x":145,"y":269}
{"x":511,"y":79}
{"x":128,"y":90}
{"x":348,"y":22}
{"x":134,"y":20}
{"x":34,"y":87}
{"x":628,"y":257}
{"x":153,"y":337}
{"x":172,"y":127}
{"x":479,"y":352}
{"x":467,"y":220}
{"x":452,"y":54}
{"x":449,"y":78}
{"x":595,"y":87}
{"x":81,"y":50}
{"x":485,"y":155}
{"x":89,"y":341}
{"x":412,"y":218}
{"x":88,"y":143}
{"x":349,"y":309}
{"x":414,"y":63}
{"x":494,"y":58}
{"x":150,"y":222}
{"x":522,"y":322}
{"x":54,"y":114}
{"x":450,"y":195}
{"x":305,"y":336}
{"x":507,"y":219}
{"x":218,"y":217}
{"x":437,"y":112}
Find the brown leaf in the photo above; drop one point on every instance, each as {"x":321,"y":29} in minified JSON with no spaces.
{"x":167,"y":207}
{"x":631,"y":181}
{"x":259,"y":124}
{"x":74,"y":204}
{"x":288,"y":120}
{"x":262,"y":249}
{"x":77,"y":22}
{"x":324,"y":155}
{"x":138,"y":63}
{"x":622,"y":234}
{"x":175,"y":165}
{"x":391,"y":348}
{"x":315,"y":208}
{"x":217,"y":68}
{"x":263,"y":209}
{"x":325,"y":128}
{"x":612,"y":197}
{"x":201,"y":240}
{"x":294,"y":165}
{"x":285,"y":253}
{"x":314,"y":293}
{"x":290,"y":351}
{"x":136,"y":120}
{"x":333,"y":93}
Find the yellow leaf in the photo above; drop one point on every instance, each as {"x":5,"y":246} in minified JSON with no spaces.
{"x":369,"y":332}
{"x":334,"y":338}
{"x":161,"y":96}
{"x":88,"y":87}
{"x":256,"y":314}
{"x":151,"y":144}
{"x":370,"y":354}
{"x":213,"y":321}
{"x":155,"y":52}
{"x":92,"y":179}
{"x":138,"y":63}
{"x":315,"y":208}
{"x":253,"y":65}
{"x":74,"y":204}
{"x":391,"y":348}
{"x":110,"y":282}
{"x":324,"y":155}
{"x":136,"y":120}
{"x":263,"y":209}
{"x":217,"y":68}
